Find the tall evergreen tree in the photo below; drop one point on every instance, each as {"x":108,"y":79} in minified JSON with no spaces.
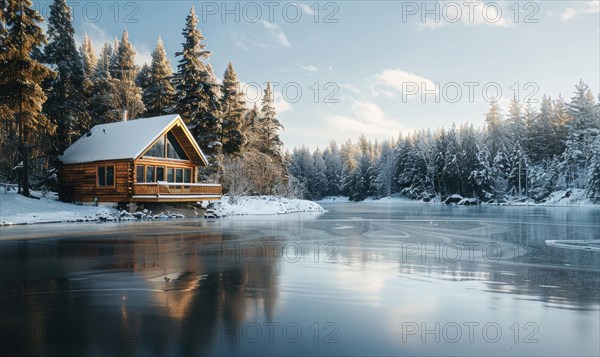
{"x":90,"y":61}
{"x":21,"y":78}
{"x":333,"y":169}
{"x":584,"y":129}
{"x":104,"y":105}
{"x":493,"y":119}
{"x":124,"y":74}
{"x":269,"y":125}
{"x":593,"y":184}
{"x":196,"y":102}
{"x":159,"y":93}
{"x":515,"y":122}
{"x":233,"y":107}
{"x":66,"y":102}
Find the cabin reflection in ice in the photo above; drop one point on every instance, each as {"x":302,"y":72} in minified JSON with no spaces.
{"x":150,"y":294}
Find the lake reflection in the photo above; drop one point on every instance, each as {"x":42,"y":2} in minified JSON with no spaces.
{"x":359,"y":280}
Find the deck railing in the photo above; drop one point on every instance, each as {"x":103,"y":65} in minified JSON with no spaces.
{"x":163,"y":188}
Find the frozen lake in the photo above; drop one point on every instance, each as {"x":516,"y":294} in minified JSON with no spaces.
{"x":361,"y":279}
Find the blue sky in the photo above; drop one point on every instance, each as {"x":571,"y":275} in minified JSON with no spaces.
{"x":373,"y":67}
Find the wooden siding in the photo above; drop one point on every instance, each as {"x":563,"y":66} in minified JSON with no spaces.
{"x":79,"y":182}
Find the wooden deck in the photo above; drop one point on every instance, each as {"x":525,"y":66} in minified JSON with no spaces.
{"x":175,"y":192}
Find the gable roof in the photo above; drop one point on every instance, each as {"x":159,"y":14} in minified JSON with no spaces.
{"x":123,"y":140}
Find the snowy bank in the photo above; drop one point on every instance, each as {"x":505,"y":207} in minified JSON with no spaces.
{"x":260,"y":205}
{"x":17,"y":209}
{"x":567,"y":198}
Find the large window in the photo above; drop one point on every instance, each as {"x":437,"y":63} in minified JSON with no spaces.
{"x":106,"y":176}
{"x":178,"y":175}
{"x":187,"y":175}
{"x":158,"y":149}
{"x":174,"y":150}
{"x":170,"y":174}
{"x":168,"y":147}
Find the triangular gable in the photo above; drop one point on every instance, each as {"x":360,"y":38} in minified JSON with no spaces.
{"x":127,"y":140}
{"x":185,"y":138}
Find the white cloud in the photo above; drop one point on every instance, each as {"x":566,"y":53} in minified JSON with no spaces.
{"x":366,"y":118}
{"x":401,"y":81}
{"x":277,"y":35}
{"x":309,"y":68}
{"x":568,"y":14}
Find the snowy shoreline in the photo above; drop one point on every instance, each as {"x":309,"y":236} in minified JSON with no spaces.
{"x":563,"y":198}
{"x":19,"y":210}
{"x":260,"y":205}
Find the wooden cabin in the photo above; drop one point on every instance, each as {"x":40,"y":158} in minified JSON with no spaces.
{"x":136,"y":161}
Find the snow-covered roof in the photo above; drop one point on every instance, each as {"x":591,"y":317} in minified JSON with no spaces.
{"x":120,"y":140}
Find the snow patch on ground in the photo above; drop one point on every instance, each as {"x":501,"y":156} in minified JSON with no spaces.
{"x":260,"y":205}
{"x":17,"y":209}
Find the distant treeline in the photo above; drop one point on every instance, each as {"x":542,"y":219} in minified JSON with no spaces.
{"x":529,"y":153}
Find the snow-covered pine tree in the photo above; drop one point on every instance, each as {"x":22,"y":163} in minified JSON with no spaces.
{"x":90,"y":62}
{"x":196,"y":101}
{"x":482,"y":177}
{"x":21,"y":77}
{"x":515,"y":122}
{"x":495,"y":127}
{"x":501,"y":169}
{"x":517,"y":171}
{"x":318,"y":186}
{"x":543,"y":178}
{"x":88,"y":54}
{"x":233,"y":108}
{"x":583,"y":130}
{"x":269,"y":125}
{"x":333,"y":169}
{"x":384,"y":182}
{"x":103,"y":105}
{"x":469,"y":162}
{"x":452,"y":165}
{"x":66,"y":102}
{"x":159,"y":93}
{"x":141,"y":79}
{"x":124,"y":72}
{"x":542,"y":132}
{"x":593,"y":185}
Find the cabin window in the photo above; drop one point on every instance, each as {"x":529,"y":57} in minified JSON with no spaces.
{"x":178,"y":175}
{"x":170,"y":174}
{"x":160,"y":173}
{"x":106,"y":176}
{"x":139,"y":173}
{"x":149,"y":173}
{"x":174,"y":150}
{"x":187,"y":176}
{"x":158,"y":149}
